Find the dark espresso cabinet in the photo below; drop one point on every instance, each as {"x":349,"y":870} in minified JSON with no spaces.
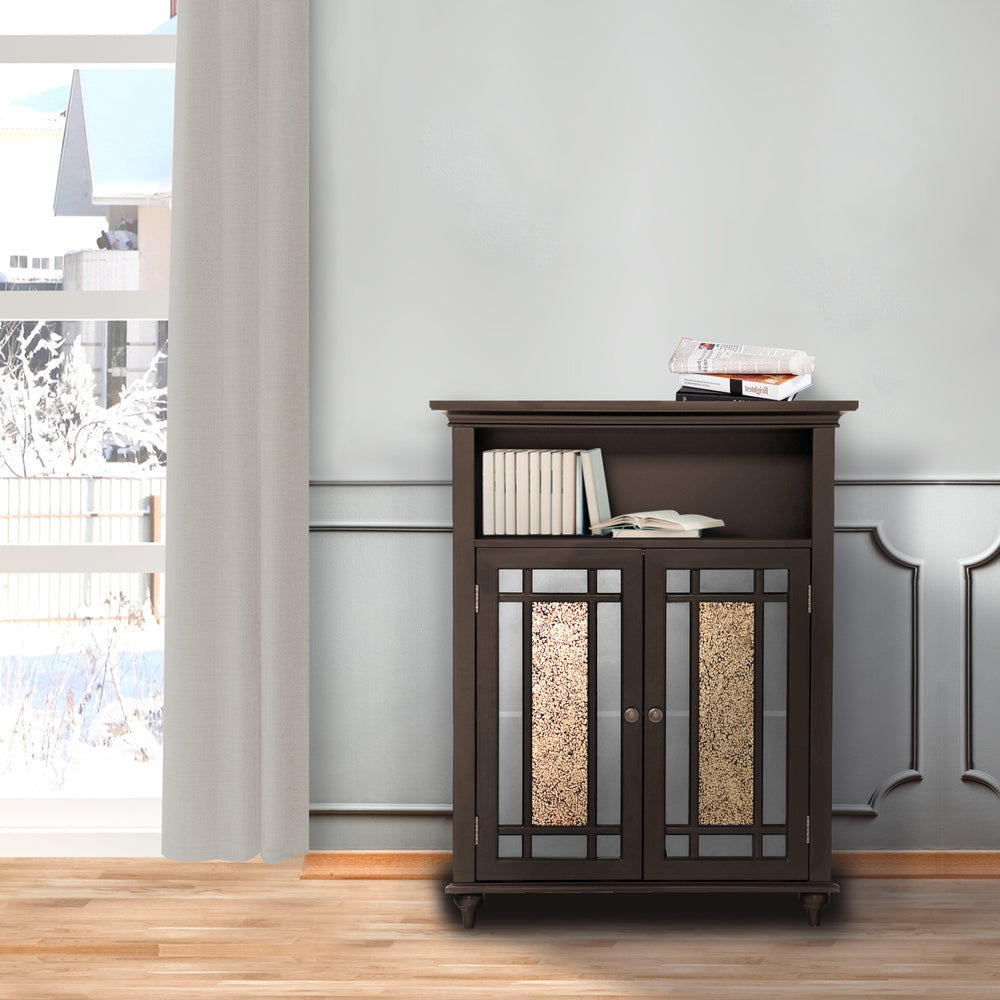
{"x":648,"y":715}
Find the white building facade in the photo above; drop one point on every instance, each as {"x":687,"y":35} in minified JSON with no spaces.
{"x":33,"y":240}
{"x":125,"y":175}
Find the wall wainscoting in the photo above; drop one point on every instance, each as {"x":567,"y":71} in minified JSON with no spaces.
{"x":916,"y":667}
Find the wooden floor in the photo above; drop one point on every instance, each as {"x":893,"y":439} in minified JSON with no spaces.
{"x":133,"y":929}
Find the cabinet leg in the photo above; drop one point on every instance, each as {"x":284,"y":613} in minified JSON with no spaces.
{"x":468,"y":904}
{"x":813,"y":903}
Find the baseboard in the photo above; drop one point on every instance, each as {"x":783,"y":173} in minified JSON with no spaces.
{"x":378,"y":864}
{"x":916,"y":864}
{"x":846,"y":864}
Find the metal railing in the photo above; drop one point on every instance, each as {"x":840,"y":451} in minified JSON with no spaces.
{"x":85,"y":524}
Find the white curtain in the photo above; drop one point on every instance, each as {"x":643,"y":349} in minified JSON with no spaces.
{"x":235,"y":780}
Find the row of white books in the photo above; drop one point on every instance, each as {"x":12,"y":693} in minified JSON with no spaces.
{"x":543,"y":491}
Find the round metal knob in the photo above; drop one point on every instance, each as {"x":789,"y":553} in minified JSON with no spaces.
{"x":656,"y":715}
{"x":631,"y":715}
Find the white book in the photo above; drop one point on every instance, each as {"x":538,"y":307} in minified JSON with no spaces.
{"x":545,"y":493}
{"x":578,"y":525}
{"x":569,"y":492}
{"x":595,"y":487}
{"x":522,"y":491}
{"x":499,"y":504}
{"x":557,"y":473}
{"x":489,"y":493}
{"x":509,"y":494}
{"x":534,"y":492}
{"x":777,"y":387}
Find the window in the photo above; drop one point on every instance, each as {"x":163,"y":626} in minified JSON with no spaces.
{"x":117,"y":348}
{"x":161,"y":353}
{"x":81,"y":611}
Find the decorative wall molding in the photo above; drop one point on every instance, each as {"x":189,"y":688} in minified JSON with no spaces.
{"x":869,"y":809}
{"x":394,"y":516}
{"x":971,"y":773}
{"x":922,"y":481}
{"x":380,"y":809}
{"x":376,"y":526}
{"x":848,"y":481}
{"x":378,"y":482}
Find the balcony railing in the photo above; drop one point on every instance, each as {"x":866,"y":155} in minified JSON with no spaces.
{"x":73,"y":548}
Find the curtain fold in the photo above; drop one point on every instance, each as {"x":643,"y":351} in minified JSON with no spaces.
{"x":235,"y":780}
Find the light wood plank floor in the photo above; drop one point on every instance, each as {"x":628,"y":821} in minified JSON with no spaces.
{"x":124,"y":929}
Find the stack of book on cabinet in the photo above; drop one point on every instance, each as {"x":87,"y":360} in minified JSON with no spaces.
{"x":739,"y":372}
{"x":530,"y":491}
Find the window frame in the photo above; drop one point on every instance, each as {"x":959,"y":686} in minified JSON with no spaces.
{"x":52,"y":825}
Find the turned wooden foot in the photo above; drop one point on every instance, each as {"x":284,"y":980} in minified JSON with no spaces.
{"x":813,"y":903}
{"x":468,"y":904}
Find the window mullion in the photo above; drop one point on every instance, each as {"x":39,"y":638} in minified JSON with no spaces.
{"x":84,"y":305}
{"x":89,"y":50}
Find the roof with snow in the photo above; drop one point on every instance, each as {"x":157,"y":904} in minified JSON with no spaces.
{"x":118,"y":144}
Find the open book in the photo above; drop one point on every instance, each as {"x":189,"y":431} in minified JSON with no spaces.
{"x":661,"y":521}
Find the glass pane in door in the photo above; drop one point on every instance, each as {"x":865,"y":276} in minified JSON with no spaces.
{"x":678,"y":712}
{"x":511,"y":714}
{"x":609,"y":712}
{"x":775,"y":734}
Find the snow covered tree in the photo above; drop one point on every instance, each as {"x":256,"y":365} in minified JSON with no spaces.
{"x":50,"y":421}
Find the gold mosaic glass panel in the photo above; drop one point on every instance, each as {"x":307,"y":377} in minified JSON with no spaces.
{"x":559,"y":708}
{"x":726,"y":698}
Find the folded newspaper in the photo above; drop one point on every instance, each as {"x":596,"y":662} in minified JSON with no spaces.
{"x":697,"y":356}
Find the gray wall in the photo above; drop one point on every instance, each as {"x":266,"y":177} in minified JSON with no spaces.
{"x":537,"y":199}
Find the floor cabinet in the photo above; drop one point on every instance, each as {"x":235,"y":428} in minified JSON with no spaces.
{"x":648,"y":715}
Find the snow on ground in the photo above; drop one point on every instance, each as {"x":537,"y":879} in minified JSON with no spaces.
{"x":81,"y":709}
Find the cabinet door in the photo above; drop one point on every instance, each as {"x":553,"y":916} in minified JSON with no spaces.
{"x":559,"y":651}
{"x":726,"y":714}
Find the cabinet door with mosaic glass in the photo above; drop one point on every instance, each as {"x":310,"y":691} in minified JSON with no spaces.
{"x":559,"y":689}
{"x":727,"y":665}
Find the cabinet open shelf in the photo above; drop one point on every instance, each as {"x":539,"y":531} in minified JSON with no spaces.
{"x":735,"y":476}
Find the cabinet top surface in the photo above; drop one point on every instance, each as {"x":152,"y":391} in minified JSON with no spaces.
{"x":663,"y":412}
